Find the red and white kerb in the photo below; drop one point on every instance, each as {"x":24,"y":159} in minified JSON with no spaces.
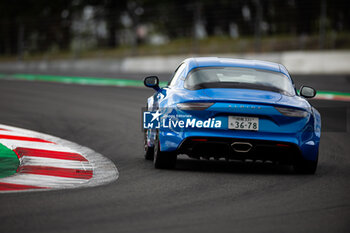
{"x":43,"y":164}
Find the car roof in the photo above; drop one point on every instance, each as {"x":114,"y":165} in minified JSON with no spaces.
{"x":230,"y":62}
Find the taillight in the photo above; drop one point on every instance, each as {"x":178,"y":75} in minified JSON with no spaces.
{"x":291,"y":112}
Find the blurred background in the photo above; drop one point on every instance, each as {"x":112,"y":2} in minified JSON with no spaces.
{"x":41,"y":29}
{"x":108,"y":47}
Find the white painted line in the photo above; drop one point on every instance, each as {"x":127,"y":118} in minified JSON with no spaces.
{"x":14,"y":133}
{"x":43,"y":181}
{"x":62,"y":163}
{"x":13,"y":144}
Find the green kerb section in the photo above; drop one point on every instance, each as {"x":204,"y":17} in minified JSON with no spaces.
{"x":111,"y":82}
{"x":9,"y":161}
{"x":77,"y":80}
{"x":333,"y":93}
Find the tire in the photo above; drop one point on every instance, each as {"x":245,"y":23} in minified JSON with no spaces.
{"x":163,"y":160}
{"x":149,"y":151}
{"x":303,"y":166}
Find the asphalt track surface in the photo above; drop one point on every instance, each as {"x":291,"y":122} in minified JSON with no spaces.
{"x":198,"y":196}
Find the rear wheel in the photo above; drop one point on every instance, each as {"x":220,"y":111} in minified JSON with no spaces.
{"x":163,"y":160}
{"x":303,"y":166}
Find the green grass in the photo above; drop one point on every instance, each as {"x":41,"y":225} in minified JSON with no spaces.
{"x":210,"y":45}
{"x":8,"y":162}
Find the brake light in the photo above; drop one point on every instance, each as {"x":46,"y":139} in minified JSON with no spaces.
{"x":199,"y":140}
{"x":282,"y":145}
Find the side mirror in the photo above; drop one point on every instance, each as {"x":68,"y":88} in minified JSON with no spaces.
{"x":152,"y":82}
{"x":307,"y":92}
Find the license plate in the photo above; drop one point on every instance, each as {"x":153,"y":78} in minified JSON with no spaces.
{"x":243,"y":123}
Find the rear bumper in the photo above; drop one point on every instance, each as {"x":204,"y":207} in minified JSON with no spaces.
{"x":264,"y":145}
{"x":239,"y":149}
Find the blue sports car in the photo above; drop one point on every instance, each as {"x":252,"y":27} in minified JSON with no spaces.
{"x":234,"y":109}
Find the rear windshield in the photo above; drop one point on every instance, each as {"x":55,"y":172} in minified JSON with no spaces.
{"x":246,"y":78}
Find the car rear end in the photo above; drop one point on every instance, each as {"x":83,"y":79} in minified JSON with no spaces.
{"x":249,"y":130}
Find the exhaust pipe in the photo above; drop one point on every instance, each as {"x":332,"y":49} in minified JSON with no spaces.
{"x":241,"y":147}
